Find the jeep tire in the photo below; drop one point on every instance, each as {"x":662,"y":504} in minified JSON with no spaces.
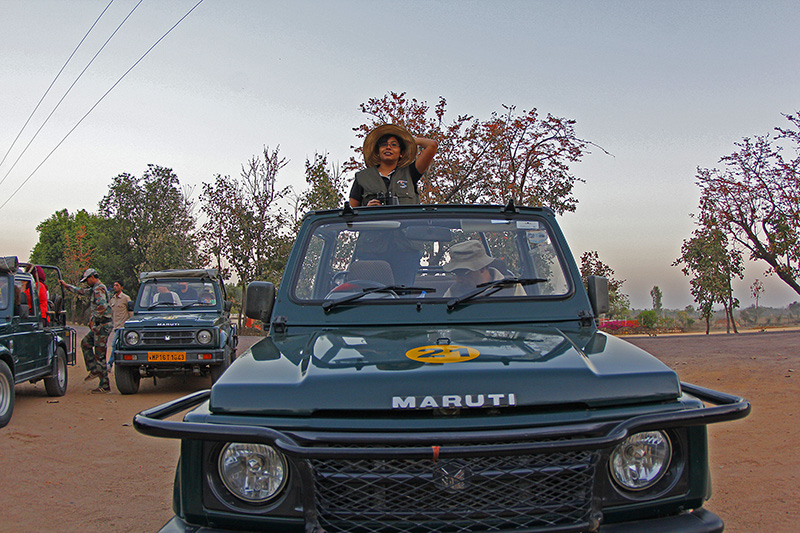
{"x":6,"y":394}
{"x":127,"y":379}
{"x":56,"y":383}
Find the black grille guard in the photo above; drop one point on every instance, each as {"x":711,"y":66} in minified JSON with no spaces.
{"x":417,"y":445}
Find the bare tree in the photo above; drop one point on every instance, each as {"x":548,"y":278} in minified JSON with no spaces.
{"x":245,"y":225}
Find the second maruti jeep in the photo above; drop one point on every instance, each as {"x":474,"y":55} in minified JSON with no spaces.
{"x":181,"y":323}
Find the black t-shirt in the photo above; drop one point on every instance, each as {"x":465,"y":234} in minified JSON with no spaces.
{"x":357,"y":191}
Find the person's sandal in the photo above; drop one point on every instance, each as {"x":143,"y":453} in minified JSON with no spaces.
{"x":101,"y":390}
{"x":91,"y":376}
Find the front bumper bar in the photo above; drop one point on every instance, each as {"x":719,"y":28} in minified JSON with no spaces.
{"x":192,"y":358}
{"x":698,"y":521}
{"x":453,"y":444}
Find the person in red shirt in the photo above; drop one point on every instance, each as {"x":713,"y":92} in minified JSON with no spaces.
{"x":38,"y":275}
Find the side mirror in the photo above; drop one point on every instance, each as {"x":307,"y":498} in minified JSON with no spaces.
{"x":227,"y":306}
{"x":598,"y":294}
{"x":259,"y":300}
{"x":130,"y":305}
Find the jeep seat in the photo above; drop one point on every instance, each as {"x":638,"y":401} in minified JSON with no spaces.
{"x":377,"y":271}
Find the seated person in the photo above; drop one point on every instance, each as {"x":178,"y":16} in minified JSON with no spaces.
{"x":206,"y":298}
{"x":29,"y":298}
{"x":185,"y":292}
{"x":470,"y":263}
{"x":21,"y":308}
{"x":163,"y":294}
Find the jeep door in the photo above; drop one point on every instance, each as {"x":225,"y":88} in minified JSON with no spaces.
{"x":31,"y":340}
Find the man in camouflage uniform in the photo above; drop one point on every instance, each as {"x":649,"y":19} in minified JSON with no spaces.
{"x":100,"y":327}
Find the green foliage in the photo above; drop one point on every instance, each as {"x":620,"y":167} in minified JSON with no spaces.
{"x":59,"y":239}
{"x":149,"y":225}
{"x":648,"y":319}
{"x":712,"y":264}
{"x":619,"y":303}
{"x":326,"y":185}
{"x":656,"y":295}
{"x":684,"y":319}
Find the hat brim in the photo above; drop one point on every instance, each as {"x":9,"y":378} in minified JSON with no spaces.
{"x":473,"y":264}
{"x":84,"y":278}
{"x":409,"y":154}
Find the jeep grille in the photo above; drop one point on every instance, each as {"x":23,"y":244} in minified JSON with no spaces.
{"x":470,"y":494}
{"x":168,"y":338}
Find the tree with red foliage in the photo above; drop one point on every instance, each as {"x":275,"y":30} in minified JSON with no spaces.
{"x":522,"y":157}
{"x":755,"y":199}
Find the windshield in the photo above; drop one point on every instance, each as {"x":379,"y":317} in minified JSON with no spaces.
{"x":446,"y":258}
{"x":182,"y":294}
{"x":6,"y":291}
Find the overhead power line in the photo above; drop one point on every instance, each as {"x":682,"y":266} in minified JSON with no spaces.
{"x":68,"y":91}
{"x":51,"y":85}
{"x":98,"y":103}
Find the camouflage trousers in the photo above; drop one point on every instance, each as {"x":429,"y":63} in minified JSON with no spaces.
{"x":94,"y":351}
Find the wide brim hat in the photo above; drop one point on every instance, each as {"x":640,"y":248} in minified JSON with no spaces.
{"x":409,"y":154}
{"x":469,"y":255}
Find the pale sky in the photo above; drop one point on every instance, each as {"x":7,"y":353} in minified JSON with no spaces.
{"x":664,"y":86}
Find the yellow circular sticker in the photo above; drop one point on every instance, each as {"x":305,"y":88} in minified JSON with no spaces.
{"x":442,"y":353}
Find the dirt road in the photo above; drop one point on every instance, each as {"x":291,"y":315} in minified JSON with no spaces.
{"x":76,"y":464}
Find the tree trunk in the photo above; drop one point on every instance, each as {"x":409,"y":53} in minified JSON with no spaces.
{"x":727,"y":318}
{"x":733,"y":319}
{"x":241,"y":304}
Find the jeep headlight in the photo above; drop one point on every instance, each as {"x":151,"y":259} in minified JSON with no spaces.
{"x":132,"y":337}
{"x":254,"y":473}
{"x":638,"y":462}
{"x":204,"y":336}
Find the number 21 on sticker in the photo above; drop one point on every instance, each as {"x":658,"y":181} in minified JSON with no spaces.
{"x":442,"y":353}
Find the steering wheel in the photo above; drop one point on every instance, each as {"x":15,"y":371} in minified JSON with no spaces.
{"x":338,"y":278}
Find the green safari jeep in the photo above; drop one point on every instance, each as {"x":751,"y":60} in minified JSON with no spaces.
{"x":35,"y":344}
{"x":438,"y":368}
{"x":181,"y":323}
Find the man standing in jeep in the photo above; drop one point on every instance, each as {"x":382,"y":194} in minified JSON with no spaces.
{"x":100,"y":326}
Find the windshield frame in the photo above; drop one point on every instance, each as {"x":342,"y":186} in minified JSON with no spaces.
{"x":190,"y":305}
{"x":475,"y":220}
{"x":7,"y":289}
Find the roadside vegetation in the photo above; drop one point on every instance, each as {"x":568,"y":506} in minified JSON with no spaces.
{"x":245,"y":224}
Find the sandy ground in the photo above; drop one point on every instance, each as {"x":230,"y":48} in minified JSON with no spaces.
{"x":76,"y":464}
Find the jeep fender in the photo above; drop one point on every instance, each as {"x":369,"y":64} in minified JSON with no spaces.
{"x":5,"y":355}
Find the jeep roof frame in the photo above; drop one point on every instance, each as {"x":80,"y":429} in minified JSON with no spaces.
{"x":9,"y":264}
{"x":211,"y":273}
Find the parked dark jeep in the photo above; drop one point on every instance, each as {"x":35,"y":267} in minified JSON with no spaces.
{"x":181,"y":323}
{"x":438,"y":369}
{"x":34,"y":343}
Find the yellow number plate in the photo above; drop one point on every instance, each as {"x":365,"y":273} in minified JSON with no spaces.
{"x":165,"y":357}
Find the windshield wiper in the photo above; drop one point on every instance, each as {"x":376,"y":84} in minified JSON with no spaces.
{"x":491,"y":287}
{"x":192,"y":304}
{"x":327,"y":305}
{"x":161,"y":303}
